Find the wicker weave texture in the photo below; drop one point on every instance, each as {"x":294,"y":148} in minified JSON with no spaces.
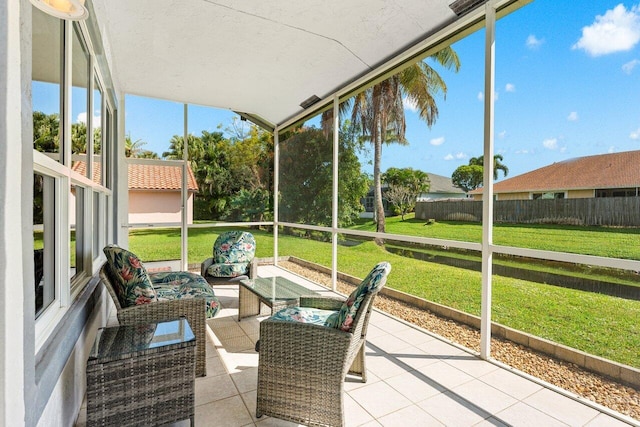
{"x":148,"y":389}
{"x":302,"y":366}
{"x":193,"y":309}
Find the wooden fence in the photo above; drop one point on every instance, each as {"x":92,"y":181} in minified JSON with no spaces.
{"x":609,"y":211}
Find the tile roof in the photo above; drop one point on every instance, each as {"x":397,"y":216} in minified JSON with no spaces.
{"x":149,"y":175}
{"x":616,"y":170}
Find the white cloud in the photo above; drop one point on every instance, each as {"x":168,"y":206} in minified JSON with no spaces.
{"x":533,"y":42}
{"x":615,"y":31}
{"x":480,"y":96}
{"x":502,"y":134}
{"x":629,"y":66}
{"x":457,"y":156}
{"x":573,"y":116}
{"x":510,"y":87}
{"x":635,"y":134}
{"x":437,"y":141}
{"x":550,"y":143}
{"x":524,"y":151}
{"x":448,"y":157}
{"x":461,"y":155}
{"x":612,"y":149}
{"x":82,"y":118}
{"x":409,"y":105}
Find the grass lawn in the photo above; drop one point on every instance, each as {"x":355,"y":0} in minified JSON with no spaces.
{"x":597,"y":324}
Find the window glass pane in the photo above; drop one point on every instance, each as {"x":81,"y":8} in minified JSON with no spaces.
{"x":46,"y":78}
{"x":76,"y":214}
{"x":97,"y":133}
{"x":43,"y":243}
{"x":79,"y":100}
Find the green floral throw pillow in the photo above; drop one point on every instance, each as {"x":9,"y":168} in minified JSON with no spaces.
{"x":131,"y":281}
{"x":349,"y":310}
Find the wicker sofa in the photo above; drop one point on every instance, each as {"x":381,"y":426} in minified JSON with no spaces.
{"x":141,"y":297}
{"x":306,"y":352}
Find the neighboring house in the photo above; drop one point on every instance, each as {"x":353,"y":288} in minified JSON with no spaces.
{"x":440,"y":187}
{"x":154,"y":190}
{"x":604,"y":175}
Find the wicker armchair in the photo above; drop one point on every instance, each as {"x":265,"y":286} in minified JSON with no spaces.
{"x":194,"y":309}
{"x":233,"y":258}
{"x":306,"y":352}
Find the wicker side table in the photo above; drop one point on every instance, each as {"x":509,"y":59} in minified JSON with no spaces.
{"x":142,"y":375}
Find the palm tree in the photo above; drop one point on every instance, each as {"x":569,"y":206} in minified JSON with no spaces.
{"x":379,"y":110}
{"x":497,"y":164}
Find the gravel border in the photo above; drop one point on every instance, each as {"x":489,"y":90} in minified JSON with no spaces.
{"x":568,"y":376}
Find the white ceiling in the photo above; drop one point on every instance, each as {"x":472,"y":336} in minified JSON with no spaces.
{"x":262,"y":57}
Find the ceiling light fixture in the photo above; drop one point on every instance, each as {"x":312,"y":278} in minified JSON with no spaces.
{"x":72,"y":10}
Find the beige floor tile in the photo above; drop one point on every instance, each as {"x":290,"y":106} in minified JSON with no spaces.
{"x":212,"y":388}
{"x":414,"y":336}
{"x":215,"y":366}
{"x":383,"y":366}
{"x":523,"y":415}
{"x":604,"y":420}
{"x":445,"y":375}
{"x":511,"y":383}
{"x":229,"y":412}
{"x":246,"y":380}
{"x":452,"y":410}
{"x":484,"y":396}
{"x":354,"y":414}
{"x":379,"y":399}
{"x":442,"y":349}
{"x":412,"y":415}
{"x":472,"y":365}
{"x":414,"y":358}
{"x":415,"y":386}
{"x":565,"y":409}
{"x":387,"y":343}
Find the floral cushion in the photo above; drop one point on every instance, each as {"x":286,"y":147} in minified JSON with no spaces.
{"x":233,"y":251}
{"x":228,"y":270}
{"x":183,"y":284}
{"x":315,"y":316}
{"x":131,"y":281}
{"x":347,"y":313}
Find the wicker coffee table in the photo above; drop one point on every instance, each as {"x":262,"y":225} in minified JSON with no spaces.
{"x":142,"y":375}
{"x":275,"y":292}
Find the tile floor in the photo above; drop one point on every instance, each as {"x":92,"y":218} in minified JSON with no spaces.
{"x":414,"y":379}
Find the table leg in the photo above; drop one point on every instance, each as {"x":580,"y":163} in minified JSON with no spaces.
{"x":248,"y":303}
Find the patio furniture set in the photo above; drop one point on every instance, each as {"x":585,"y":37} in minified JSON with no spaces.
{"x":306,"y":348}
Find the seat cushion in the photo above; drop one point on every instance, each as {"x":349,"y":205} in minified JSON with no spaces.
{"x":312,"y":315}
{"x":228,"y":270}
{"x":183,"y":284}
{"x":131,"y":281}
{"x":349,"y":310}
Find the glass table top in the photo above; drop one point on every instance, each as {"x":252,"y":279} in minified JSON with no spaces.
{"x":276,"y":288}
{"x":119,"y":341}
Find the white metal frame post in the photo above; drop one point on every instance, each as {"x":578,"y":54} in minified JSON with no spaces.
{"x":334,"y":202}
{"x":276,"y":183}
{"x":487,"y":194}
{"x":184,"y":231}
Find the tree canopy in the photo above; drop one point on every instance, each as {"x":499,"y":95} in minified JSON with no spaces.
{"x":469,"y":177}
{"x":405,"y":186}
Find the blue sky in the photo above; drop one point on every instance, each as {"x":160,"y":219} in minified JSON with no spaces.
{"x":567,"y":85}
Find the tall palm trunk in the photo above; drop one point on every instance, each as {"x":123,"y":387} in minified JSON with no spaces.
{"x":379,"y":207}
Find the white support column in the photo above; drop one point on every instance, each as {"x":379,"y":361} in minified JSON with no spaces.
{"x":276,"y":183}
{"x":121,"y":193}
{"x":16,"y":321}
{"x":184,"y":231}
{"x":334,"y":202}
{"x":487,"y":194}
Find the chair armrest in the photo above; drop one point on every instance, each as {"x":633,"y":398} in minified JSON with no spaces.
{"x":322,"y":302}
{"x":304,"y":346}
{"x":205,"y":265}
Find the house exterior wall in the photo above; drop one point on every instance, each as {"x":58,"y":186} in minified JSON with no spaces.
{"x":146,"y":207}
{"x":580,"y":194}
